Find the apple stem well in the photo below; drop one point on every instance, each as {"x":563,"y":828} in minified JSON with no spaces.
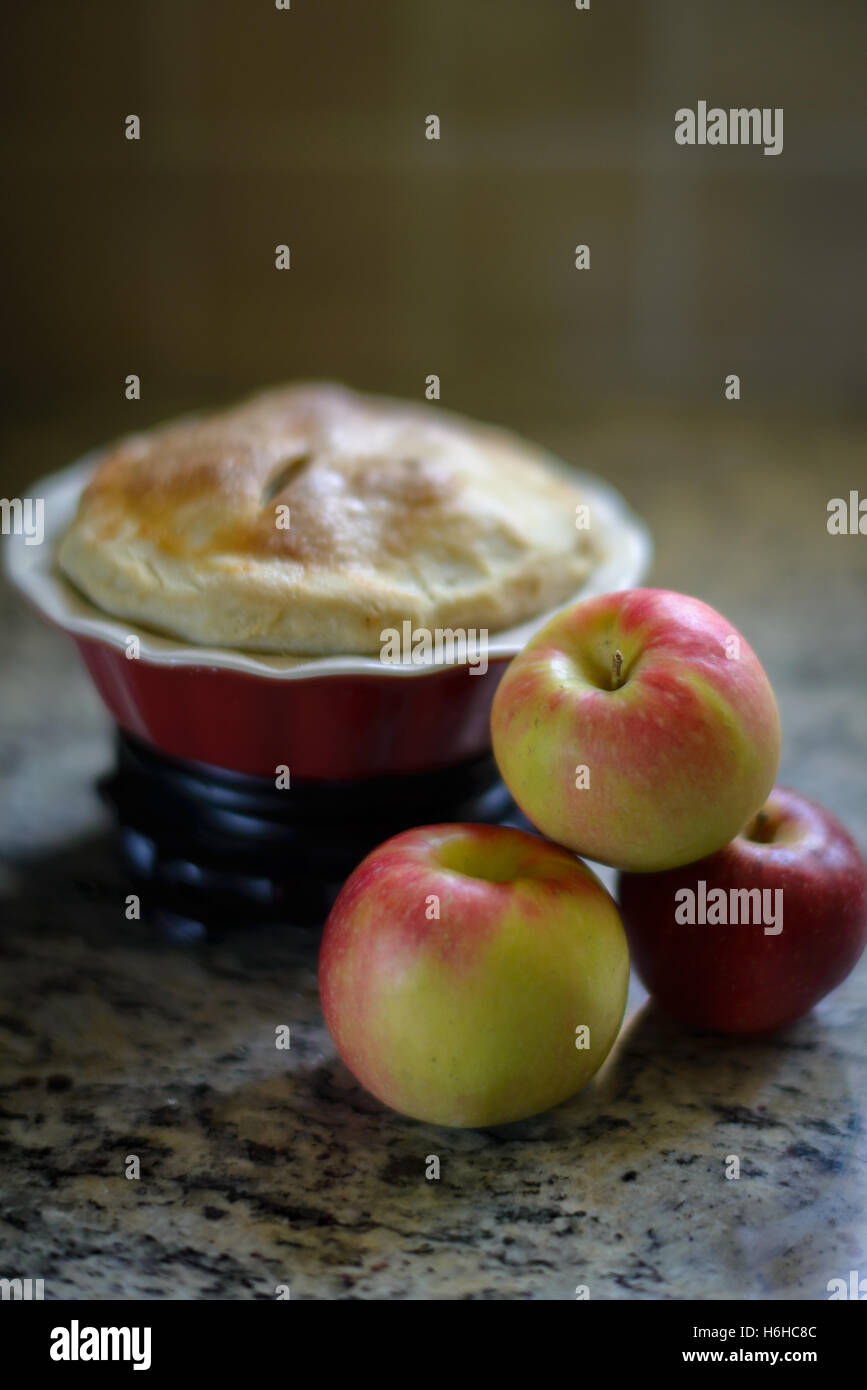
{"x":762,"y":829}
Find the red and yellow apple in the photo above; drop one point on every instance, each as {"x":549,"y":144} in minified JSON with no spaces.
{"x":797,"y":870}
{"x":472,"y":975}
{"x":638,"y":729}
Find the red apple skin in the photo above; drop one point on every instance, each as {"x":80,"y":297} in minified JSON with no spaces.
{"x":681,"y":753}
{"x":736,"y":979}
{"x":469,"y":1018}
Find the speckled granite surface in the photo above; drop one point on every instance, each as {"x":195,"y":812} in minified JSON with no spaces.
{"x":261,"y":1167}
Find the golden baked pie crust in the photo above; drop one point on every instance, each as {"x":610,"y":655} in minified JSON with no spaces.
{"x":396,"y":512}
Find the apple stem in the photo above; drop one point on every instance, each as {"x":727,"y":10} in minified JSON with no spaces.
{"x":616,"y":668}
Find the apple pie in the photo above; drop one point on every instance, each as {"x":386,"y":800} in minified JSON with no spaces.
{"x":310,"y":518}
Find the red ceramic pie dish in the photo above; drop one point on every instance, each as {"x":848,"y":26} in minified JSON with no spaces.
{"x":330,"y":718}
{"x":324,"y":728}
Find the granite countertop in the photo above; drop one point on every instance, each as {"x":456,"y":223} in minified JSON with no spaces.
{"x":262,"y":1167}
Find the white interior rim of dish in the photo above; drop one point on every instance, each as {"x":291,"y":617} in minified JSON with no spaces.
{"x":624,"y":539}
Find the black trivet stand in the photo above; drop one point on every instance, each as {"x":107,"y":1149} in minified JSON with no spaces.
{"x":210,"y":850}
